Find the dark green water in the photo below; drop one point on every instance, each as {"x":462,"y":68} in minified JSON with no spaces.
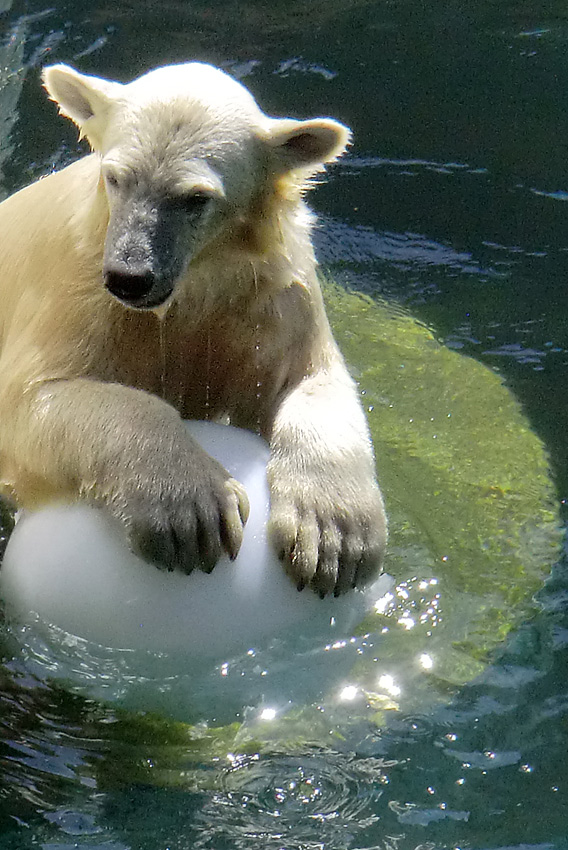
{"x":454,"y":203}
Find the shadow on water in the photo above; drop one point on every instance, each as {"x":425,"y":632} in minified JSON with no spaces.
{"x":451,"y":205}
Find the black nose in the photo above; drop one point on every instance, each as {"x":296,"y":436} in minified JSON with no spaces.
{"x":130,"y":288}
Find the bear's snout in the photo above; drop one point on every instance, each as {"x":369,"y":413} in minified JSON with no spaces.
{"x":140,"y":291}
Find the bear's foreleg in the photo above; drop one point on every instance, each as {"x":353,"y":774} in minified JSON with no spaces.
{"x":327,"y":516}
{"x":130,"y":451}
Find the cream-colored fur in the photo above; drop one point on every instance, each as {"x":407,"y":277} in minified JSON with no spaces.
{"x":168,"y":275}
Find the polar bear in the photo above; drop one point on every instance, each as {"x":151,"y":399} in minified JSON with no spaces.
{"x":169,"y":275}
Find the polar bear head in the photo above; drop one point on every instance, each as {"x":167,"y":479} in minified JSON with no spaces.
{"x":186,"y":154}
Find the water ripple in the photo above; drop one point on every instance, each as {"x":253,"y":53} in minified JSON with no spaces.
{"x":337,"y":241}
{"x":322,"y":797}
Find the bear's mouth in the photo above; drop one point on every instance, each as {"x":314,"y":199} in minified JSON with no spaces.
{"x":138,"y":291}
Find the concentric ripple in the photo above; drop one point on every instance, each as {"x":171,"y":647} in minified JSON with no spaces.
{"x":320,"y":796}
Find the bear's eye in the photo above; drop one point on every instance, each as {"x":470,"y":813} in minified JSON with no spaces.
{"x":111,"y":180}
{"x":192,"y":202}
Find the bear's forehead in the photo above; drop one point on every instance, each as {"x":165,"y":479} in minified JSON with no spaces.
{"x":177,"y":119}
{"x":183,"y":142}
{"x":191,"y":109}
{"x":182,"y":128}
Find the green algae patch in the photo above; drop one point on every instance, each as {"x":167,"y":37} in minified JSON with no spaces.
{"x":474,"y":525}
{"x":150,"y":750}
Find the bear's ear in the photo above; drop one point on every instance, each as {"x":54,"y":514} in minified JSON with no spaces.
{"x":85,"y":100}
{"x":307,"y":144}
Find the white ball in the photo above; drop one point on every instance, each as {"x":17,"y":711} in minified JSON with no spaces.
{"x":71,"y":568}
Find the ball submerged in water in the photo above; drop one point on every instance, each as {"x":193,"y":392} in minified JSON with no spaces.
{"x":70,"y":567}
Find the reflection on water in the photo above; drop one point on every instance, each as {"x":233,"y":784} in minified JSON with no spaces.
{"x":338,"y":242}
{"x":451,"y":204}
